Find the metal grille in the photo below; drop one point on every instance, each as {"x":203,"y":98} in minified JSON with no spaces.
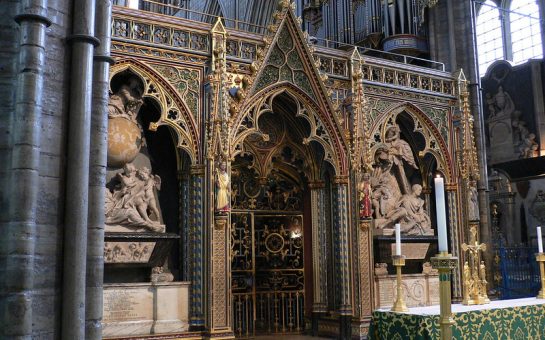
{"x":267,"y":274}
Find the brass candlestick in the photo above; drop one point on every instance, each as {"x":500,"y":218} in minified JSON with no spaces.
{"x":445,"y":263}
{"x":540,"y":257}
{"x":399,"y":304}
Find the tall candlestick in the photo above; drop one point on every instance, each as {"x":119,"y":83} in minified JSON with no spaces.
{"x":398,"y":239}
{"x":539,"y":241}
{"x":441,"y":214}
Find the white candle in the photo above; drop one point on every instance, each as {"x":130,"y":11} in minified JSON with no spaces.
{"x":398,"y":239}
{"x":539,"y":241}
{"x":441,"y":214}
{"x":133,"y":4}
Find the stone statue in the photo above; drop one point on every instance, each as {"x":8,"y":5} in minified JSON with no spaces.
{"x":491,"y":102}
{"x":385,"y":188}
{"x":528,"y":147}
{"x":399,"y":152}
{"x":126,"y":101}
{"x":393,"y":199}
{"x":504,"y":103}
{"x":364,"y":196}
{"x":473,"y":202}
{"x":132,"y":203}
{"x":410,"y":213}
{"x":222,"y":189}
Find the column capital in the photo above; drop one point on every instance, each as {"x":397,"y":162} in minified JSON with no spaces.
{"x":316,"y":185}
{"x":451,"y":186}
{"x":197,"y":169}
{"x":340,"y":180}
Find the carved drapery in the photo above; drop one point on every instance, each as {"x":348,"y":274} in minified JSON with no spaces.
{"x":174,"y":110}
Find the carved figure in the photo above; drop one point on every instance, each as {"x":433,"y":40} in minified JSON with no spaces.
{"x":133,"y":200}
{"x":468,"y":282}
{"x":504,"y":103}
{"x":473,"y":202}
{"x":222,"y":189}
{"x":385,"y":188}
{"x":529,"y":146}
{"x":410,"y":213}
{"x":399,"y":152}
{"x":126,"y":101}
{"x":364,"y":193}
{"x":491,"y":105}
{"x":482,"y":274}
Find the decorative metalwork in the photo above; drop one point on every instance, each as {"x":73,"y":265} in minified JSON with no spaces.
{"x":278,"y":191}
{"x":267,"y":273}
{"x":468,"y":162}
{"x":360,"y":140}
{"x":474,"y":272}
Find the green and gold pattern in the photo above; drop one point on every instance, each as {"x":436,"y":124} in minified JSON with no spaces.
{"x":514,"y":323}
{"x":284,"y":64}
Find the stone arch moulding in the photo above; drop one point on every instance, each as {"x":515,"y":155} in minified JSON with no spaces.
{"x":436,"y":145}
{"x":246,"y":122}
{"x":174,"y":111}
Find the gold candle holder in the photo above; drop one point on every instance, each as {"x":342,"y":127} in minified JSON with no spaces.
{"x":399,"y":304}
{"x":445,"y":263}
{"x":540,"y":258}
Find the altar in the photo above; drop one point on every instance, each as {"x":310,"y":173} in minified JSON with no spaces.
{"x":502,"y":319}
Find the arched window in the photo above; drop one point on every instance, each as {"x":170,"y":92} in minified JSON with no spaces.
{"x":489,"y":35}
{"x":525,"y":30}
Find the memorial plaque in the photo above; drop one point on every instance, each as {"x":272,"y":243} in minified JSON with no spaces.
{"x":412,"y":251}
{"x":128,"y":304}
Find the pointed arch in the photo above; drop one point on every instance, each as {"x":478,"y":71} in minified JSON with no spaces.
{"x":247,"y":123}
{"x":174,"y":111}
{"x":435,"y":143}
{"x":288,"y":66}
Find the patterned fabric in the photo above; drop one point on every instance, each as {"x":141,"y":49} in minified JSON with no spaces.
{"x":527,"y":322}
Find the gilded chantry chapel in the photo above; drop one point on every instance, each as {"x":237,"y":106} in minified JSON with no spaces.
{"x":229,"y":169}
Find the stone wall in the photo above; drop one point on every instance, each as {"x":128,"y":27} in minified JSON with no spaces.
{"x":44,"y":287}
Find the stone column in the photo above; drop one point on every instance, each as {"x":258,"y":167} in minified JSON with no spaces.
{"x":341,"y":240}
{"x":219,"y":262}
{"x":184,"y":213}
{"x":19,"y":231}
{"x":539,"y":103}
{"x":97,"y":173}
{"x":366,"y":270}
{"x":319,"y":252}
{"x":82,"y":43}
{"x":427,"y":199}
{"x":454,"y":223}
{"x":196,"y":235}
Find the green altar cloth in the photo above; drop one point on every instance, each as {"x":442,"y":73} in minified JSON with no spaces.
{"x":499,"y":320}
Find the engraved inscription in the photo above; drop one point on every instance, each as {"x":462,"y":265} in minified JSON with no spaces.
{"x":122,"y":305}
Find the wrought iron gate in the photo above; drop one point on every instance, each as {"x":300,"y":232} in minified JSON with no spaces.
{"x":267,"y":273}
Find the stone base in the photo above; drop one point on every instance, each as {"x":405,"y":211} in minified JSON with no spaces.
{"x":418,"y":289}
{"x":145,"y":308}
